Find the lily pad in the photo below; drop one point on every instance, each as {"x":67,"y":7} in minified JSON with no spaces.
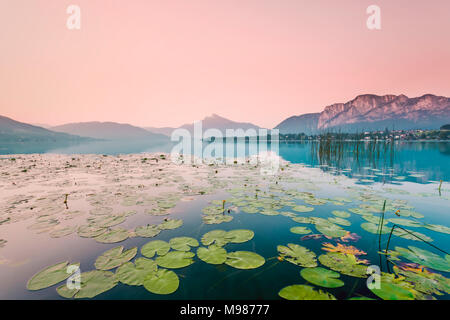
{"x":170,"y":224}
{"x":405,"y":222}
{"x":114,"y":257}
{"x":298,"y":255}
{"x":183,"y":243}
{"x":51,"y":275}
{"x":62,"y":232}
{"x":161,"y":282}
{"x":302,"y":208}
{"x":300,"y":230}
{"x":175,"y":259}
{"x":392,"y":291}
{"x":155,"y":247}
{"x":438,"y":228}
{"x":134,"y":274}
{"x":304,"y":292}
{"x":216,"y":218}
{"x":218,"y":237}
{"x":244,"y":260}
{"x":113,"y":236}
{"x":148,"y":231}
{"x":107,"y":220}
{"x":239,"y":235}
{"x":331,"y":230}
{"x":90,"y":231}
{"x":340,"y":221}
{"x":425,"y":258}
{"x":212,"y":255}
{"x":322,"y":277}
{"x":373,"y":228}
{"x":341,"y":214}
{"x":344,"y":263}
{"x":92,"y":283}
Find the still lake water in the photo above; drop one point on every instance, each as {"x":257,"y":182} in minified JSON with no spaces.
{"x":410,"y":172}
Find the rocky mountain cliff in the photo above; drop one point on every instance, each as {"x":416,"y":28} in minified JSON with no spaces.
{"x":371,"y":112}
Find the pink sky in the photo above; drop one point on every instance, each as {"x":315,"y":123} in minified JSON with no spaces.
{"x":170,"y":62}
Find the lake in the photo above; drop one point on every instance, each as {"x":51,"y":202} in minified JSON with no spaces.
{"x":311,"y":231}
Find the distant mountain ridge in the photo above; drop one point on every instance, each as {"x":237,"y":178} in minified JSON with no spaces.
{"x":211,"y":122}
{"x":307,"y":122}
{"x":15,"y":131}
{"x":109,"y":131}
{"x":371,"y":112}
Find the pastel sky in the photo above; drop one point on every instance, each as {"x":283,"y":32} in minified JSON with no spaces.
{"x":170,"y":62}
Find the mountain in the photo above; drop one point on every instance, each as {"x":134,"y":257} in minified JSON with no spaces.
{"x":109,"y":131}
{"x":306,"y":123}
{"x":15,"y":131}
{"x":212,"y":122}
{"x":167,"y":131}
{"x":371,"y":112}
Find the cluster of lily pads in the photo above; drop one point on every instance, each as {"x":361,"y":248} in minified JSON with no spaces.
{"x":152,"y":270}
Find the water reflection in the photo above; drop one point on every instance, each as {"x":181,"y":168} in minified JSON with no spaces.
{"x":377,"y":161}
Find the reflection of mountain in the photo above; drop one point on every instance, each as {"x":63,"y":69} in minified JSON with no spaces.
{"x":110,"y":131}
{"x":212,"y":122}
{"x":12,"y":131}
{"x":444,"y":148}
{"x":371,"y":112}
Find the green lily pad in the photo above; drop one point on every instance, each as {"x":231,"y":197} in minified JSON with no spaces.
{"x":156,"y":246}
{"x":62,"y":232}
{"x":322,"y":277}
{"x":392,"y":291}
{"x":300,"y":230}
{"x":426,"y":282}
{"x":302,"y":208}
{"x":114,"y":257}
{"x":304,"y":292}
{"x":175,"y":259}
{"x":216,"y":218}
{"x":183,"y":243}
{"x":341,"y":214}
{"x":218,"y":237}
{"x":298,"y":255}
{"x":212,"y":255}
{"x":170,"y":224}
{"x":373,"y":228}
{"x":344,"y":263}
{"x":90,"y":231}
{"x":425,"y":258}
{"x":92,"y":283}
{"x":438,"y":228}
{"x":340,"y":221}
{"x":269,"y":212}
{"x":405,"y":222}
{"x":134,"y":274}
{"x":107,"y":220}
{"x":113,"y":236}
{"x":244,"y":260}
{"x":51,"y":275}
{"x":161,"y":282}
{"x":411,"y":235}
{"x":331,"y":230}
{"x":148,"y":231}
{"x":239,"y":235}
